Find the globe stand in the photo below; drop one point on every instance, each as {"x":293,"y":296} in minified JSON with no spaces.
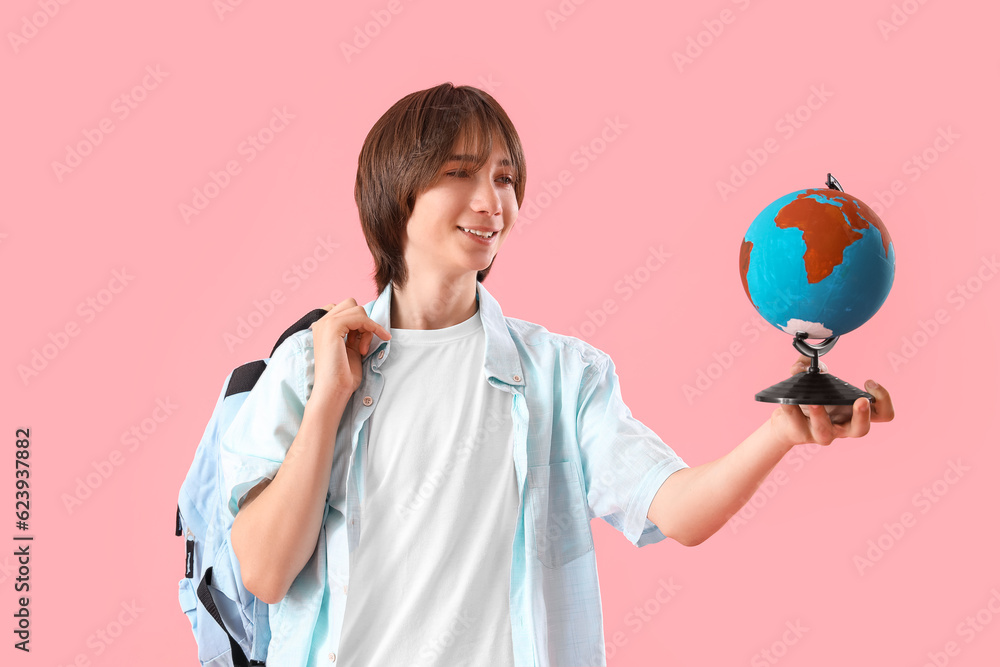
{"x":813,"y":387}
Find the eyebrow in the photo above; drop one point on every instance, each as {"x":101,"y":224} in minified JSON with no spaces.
{"x":472,"y":158}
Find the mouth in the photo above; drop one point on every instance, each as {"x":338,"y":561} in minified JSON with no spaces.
{"x":485,"y":238}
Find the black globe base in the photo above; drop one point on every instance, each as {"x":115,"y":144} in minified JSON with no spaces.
{"x":811,"y":388}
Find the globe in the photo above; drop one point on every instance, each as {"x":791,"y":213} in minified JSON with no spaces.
{"x":817,"y":261}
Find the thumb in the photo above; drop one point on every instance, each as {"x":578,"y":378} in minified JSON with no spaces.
{"x":803,"y":365}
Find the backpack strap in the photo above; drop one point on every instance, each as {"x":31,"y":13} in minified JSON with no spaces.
{"x":262,"y":633}
{"x":205,"y":595}
{"x":304,"y":323}
{"x":245,"y":377}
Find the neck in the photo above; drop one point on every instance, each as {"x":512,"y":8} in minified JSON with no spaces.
{"x":432,"y":305}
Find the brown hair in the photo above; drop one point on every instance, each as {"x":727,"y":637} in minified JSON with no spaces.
{"x":404,"y":151}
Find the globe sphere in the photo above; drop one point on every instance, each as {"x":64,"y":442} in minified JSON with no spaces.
{"x":819,"y":261}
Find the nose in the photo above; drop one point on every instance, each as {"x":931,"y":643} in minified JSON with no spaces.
{"x":486,"y":198}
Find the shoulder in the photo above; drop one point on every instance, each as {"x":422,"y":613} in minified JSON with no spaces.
{"x":294,"y":357}
{"x":538,"y":343}
{"x":298,"y":343}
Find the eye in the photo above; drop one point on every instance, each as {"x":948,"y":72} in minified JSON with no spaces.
{"x":462,"y":173}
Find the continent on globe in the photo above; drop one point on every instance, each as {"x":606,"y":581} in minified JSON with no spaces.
{"x":828,"y":230}
{"x":818,"y":261}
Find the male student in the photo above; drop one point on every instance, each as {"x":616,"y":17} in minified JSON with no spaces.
{"x":413,"y":480}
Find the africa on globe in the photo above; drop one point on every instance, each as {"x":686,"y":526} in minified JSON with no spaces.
{"x":818,"y":261}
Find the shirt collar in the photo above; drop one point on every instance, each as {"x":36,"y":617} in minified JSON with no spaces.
{"x":501,"y":361}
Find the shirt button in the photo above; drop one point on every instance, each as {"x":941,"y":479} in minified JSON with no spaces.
{"x":333,"y":657}
{"x":517,"y":378}
{"x":345,"y":590}
{"x":368,"y":400}
{"x":381,"y":353}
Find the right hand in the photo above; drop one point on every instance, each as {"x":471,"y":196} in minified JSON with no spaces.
{"x":338,"y":361}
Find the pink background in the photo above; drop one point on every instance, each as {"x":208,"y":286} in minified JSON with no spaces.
{"x":682,"y":129}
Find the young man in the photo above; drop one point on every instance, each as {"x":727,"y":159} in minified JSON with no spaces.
{"x":413,"y":480}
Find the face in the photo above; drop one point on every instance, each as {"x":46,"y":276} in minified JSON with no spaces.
{"x":434,"y":239}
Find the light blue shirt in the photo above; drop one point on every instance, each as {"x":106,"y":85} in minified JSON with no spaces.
{"x":578,"y":454}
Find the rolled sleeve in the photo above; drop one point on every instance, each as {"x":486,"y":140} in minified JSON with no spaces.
{"x":263,"y":429}
{"x":624,"y":461}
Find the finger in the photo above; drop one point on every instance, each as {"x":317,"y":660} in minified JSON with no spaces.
{"x":341,"y":305}
{"x":338,"y":307}
{"x":351,"y":322}
{"x":860,"y":422}
{"x":365,"y":326}
{"x":820,"y":426}
{"x":378,"y":329}
{"x":800,"y":425}
{"x":359,"y":320}
{"x":882,"y":410}
{"x":803,"y":363}
{"x":840,"y":414}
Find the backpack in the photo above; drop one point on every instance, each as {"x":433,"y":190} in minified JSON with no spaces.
{"x":230,"y":625}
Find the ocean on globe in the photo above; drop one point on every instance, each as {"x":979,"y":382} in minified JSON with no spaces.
{"x":818,"y":261}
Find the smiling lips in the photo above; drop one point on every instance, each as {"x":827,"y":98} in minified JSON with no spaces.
{"x":483,"y":236}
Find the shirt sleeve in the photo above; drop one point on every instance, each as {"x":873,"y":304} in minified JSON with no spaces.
{"x":624,"y":461}
{"x":263,"y":429}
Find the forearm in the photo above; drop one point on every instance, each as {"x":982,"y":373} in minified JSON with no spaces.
{"x":698,"y":501}
{"x":275,"y":533}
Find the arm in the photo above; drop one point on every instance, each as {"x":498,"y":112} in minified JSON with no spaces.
{"x":277,"y":525}
{"x":693,"y":503}
{"x":275,"y":532}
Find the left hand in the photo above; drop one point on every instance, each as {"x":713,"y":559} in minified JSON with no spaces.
{"x":801,"y":424}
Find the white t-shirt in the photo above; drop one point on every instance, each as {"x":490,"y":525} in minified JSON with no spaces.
{"x":430,"y":578}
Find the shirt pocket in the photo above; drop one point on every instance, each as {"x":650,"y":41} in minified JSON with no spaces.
{"x":559,"y":511}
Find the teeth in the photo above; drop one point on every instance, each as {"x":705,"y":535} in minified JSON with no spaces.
{"x":472,"y":231}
